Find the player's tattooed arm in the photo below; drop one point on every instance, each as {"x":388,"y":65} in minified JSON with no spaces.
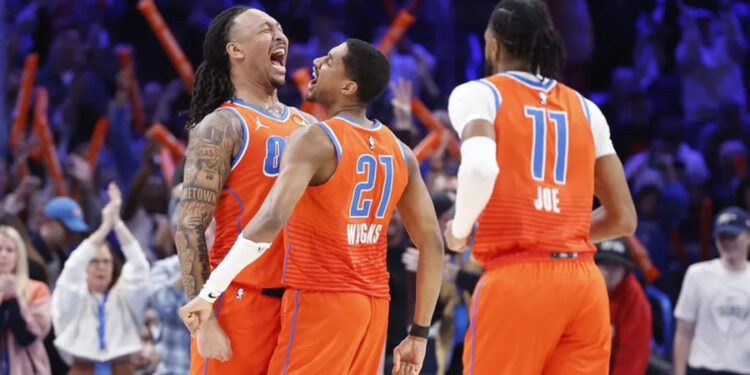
{"x":213,"y":143}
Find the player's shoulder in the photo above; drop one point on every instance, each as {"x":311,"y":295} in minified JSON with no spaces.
{"x":219,"y":123}
{"x":481,"y":86}
{"x":315,"y":139}
{"x":472,"y":93}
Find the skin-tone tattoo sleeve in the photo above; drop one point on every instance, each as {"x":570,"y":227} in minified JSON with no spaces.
{"x":213,"y":143}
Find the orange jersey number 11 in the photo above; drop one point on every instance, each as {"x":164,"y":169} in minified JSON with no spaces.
{"x":548,"y":198}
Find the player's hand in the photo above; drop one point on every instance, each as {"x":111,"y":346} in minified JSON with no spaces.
{"x":456,"y":244}
{"x":212,"y":342}
{"x":195,"y":313}
{"x":409,"y":355}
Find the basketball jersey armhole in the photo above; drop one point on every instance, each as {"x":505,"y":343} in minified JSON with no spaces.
{"x":245,"y":135}
{"x":336,"y":145}
{"x":585,"y":107}
{"x":402,"y":146}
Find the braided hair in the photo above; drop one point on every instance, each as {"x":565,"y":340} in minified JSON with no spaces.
{"x":525,"y":29}
{"x":212,"y":83}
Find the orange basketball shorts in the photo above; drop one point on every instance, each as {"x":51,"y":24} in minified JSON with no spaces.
{"x":539,"y":316}
{"x":252,"y":322}
{"x":330,"y":333}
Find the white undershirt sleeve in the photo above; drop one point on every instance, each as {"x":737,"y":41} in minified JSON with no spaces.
{"x":476,"y":180}
{"x":474,"y":100}
{"x":600,"y":130}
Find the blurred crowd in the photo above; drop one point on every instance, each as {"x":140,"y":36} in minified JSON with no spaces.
{"x":91,"y":282}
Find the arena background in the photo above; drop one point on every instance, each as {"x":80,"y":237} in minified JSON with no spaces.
{"x":94,"y":91}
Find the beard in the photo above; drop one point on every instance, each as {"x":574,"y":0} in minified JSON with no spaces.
{"x":488,"y":68}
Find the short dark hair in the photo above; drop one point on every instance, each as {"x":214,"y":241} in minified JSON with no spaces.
{"x":525,"y":29}
{"x":368,"y":67}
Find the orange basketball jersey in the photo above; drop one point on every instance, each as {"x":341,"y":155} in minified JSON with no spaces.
{"x":336,"y":237}
{"x":543,"y":195}
{"x":254,"y":171}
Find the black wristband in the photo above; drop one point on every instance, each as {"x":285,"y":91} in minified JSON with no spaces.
{"x":419,"y":331}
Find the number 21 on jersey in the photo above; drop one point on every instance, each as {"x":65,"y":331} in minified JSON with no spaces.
{"x":548,"y":198}
{"x":359,"y":233}
{"x":367,"y":165}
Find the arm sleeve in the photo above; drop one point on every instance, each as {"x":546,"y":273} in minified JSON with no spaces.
{"x":476,"y":180}
{"x":599,"y":129}
{"x":134,"y":279}
{"x":18,"y":327}
{"x":688,"y":302}
{"x":36,"y":311}
{"x":71,"y":288}
{"x":474,"y":100}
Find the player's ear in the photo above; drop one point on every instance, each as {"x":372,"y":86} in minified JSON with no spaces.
{"x":349,"y":88}
{"x":235,"y":50}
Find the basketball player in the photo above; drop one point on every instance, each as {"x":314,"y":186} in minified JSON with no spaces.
{"x":534,"y":154}
{"x":238,"y":130}
{"x":343,"y":178}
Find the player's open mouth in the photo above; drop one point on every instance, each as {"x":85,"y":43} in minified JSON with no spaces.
{"x":314,"y":80}
{"x":278,"y":59}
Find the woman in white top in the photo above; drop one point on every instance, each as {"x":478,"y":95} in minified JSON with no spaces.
{"x":96,"y":313}
{"x":713,"y":311}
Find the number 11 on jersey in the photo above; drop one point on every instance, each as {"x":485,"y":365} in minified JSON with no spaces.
{"x":548,"y":198}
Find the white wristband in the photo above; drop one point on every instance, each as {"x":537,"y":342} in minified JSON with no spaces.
{"x":242,"y":253}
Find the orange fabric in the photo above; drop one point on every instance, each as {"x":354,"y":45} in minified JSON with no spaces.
{"x":251,"y":321}
{"x":545,"y":317}
{"x":330,"y":333}
{"x":346,"y":251}
{"x":246,"y":188}
{"x":511,"y":221}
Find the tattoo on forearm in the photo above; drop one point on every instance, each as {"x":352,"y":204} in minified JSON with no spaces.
{"x":207,"y":166}
{"x":199,"y":194}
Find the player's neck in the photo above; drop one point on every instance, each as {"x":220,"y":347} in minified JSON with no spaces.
{"x":356,"y":112}
{"x":513,"y":66}
{"x":261,"y":96}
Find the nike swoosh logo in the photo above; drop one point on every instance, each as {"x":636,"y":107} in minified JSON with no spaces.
{"x":212,"y":296}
